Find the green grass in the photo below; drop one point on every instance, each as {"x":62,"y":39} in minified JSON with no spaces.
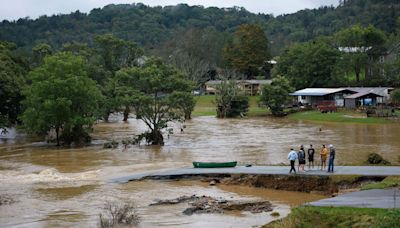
{"x":308,"y":216}
{"x":388,"y":182}
{"x":340,"y":116}
{"x":205,"y":107}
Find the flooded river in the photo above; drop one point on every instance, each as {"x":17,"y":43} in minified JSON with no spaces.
{"x":62,"y":187}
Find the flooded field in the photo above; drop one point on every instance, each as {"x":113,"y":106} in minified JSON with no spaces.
{"x":68,"y":187}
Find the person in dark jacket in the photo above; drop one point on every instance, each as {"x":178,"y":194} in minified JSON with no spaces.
{"x":332,"y":154}
{"x":302,"y":158}
{"x":311,"y":152}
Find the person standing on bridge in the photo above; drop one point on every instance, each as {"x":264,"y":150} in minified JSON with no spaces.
{"x":324,"y":156}
{"x":332,"y":153}
{"x":311,"y":152}
{"x":302,"y":158}
{"x":292,"y":156}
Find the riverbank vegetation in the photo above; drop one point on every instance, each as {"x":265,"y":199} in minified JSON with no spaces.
{"x":388,"y":182}
{"x":205,"y":106}
{"x":309,"y":216}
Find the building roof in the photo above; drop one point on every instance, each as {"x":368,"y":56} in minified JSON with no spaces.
{"x":358,"y":95}
{"x":260,"y":82}
{"x":381,"y":91}
{"x":317,"y":91}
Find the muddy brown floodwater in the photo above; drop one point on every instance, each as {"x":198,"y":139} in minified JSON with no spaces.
{"x":67,"y":187}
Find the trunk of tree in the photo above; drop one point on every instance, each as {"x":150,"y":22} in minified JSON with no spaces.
{"x":57,"y":138}
{"x":357,"y":71}
{"x":126,"y":113}
{"x":106,"y":116}
{"x":157,"y":137}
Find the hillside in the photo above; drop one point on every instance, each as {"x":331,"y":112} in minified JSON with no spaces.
{"x":154,"y":27}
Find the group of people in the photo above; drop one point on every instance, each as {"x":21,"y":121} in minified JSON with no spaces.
{"x":301,"y":157}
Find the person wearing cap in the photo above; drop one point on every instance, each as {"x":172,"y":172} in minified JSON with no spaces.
{"x":311,"y":152}
{"x":292,"y":156}
{"x":331,"y":158}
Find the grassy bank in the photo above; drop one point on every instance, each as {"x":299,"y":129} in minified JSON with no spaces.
{"x":341,"y":116}
{"x":388,"y":182}
{"x":307,"y":216}
{"x":205,"y":106}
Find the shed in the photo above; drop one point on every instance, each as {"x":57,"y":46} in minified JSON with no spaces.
{"x":362,"y":99}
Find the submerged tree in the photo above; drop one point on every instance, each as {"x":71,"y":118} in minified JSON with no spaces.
{"x":230,"y":100}
{"x":61,"y":97}
{"x":276,"y":94}
{"x":159,"y":94}
{"x":12,"y":79}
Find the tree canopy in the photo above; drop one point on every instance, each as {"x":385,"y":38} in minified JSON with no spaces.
{"x":248,"y":51}
{"x":159,"y":95}
{"x":12,"y":80}
{"x":276,"y":95}
{"x":61,"y":97}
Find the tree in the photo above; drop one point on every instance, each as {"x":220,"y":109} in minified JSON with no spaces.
{"x":311,"y":64}
{"x":395,"y":96}
{"x":359,"y":45}
{"x":12,"y":80}
{"x":159,"y":95}
{"x":61,"y":97}
{"x":115,"y":54}
{"x":40,"y":51}
{"x":276,"y":94}
{"x":248,"y":51}
{"x":230,"y":100}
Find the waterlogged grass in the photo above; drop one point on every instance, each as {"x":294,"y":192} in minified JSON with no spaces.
{"x":205,"y":106}
{"x":342,"y":117}
{"x":388,"y":182}
{"x":308,"y":216}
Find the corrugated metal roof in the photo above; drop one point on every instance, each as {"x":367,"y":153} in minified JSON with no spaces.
{"x":358,"y":95}
{"x":261,"y":82}
{"x":316,"y":91}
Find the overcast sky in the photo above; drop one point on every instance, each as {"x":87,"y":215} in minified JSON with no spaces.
{"x":14,"y":9}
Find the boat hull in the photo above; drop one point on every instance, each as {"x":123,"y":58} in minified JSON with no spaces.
{"x":214,"y":164}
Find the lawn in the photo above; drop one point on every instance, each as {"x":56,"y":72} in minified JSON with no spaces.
{"x":205,"y":107}
{"x":340,"y":116}
{"x":307,"y":216}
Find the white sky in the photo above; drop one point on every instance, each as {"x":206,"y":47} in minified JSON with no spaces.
{"x":14,"y":9}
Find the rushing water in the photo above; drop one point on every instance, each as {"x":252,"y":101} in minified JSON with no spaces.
{"x":69,"y":186}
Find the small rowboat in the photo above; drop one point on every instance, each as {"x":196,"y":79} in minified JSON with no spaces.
{"x":214,"y":164}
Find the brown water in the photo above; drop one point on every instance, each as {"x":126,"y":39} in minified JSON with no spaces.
{"x":67,"y":187}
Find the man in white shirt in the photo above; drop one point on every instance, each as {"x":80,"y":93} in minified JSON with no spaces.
{"x":292,"y":156}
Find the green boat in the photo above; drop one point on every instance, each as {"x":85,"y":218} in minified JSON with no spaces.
{"x":214,"y":164}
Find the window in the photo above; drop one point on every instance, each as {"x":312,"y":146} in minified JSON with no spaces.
{"x":303,"y":97}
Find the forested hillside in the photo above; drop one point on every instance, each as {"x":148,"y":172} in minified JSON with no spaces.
{"x":154,"y":27}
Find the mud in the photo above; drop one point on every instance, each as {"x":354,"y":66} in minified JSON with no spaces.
{"x":208,"y":205}
{"x":326,"y":185}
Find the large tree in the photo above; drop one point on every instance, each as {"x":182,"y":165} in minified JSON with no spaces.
{"x":248,"y":51}
{"x":276,"y":95}
{"x":230,"y":100}
{"x":311,"y":64}
{"x":62,"y":98}
{"x":115,"y":54}
{"x":158,"y":94}
{"x":12,"y":79}
{"x":360,"y":45}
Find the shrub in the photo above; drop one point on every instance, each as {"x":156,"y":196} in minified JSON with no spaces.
{"x":374,"y":158}
{"x":116,"y":214}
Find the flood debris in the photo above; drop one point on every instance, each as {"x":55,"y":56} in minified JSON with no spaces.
{"x":6,"y":200}
{"x":206,"y":205}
